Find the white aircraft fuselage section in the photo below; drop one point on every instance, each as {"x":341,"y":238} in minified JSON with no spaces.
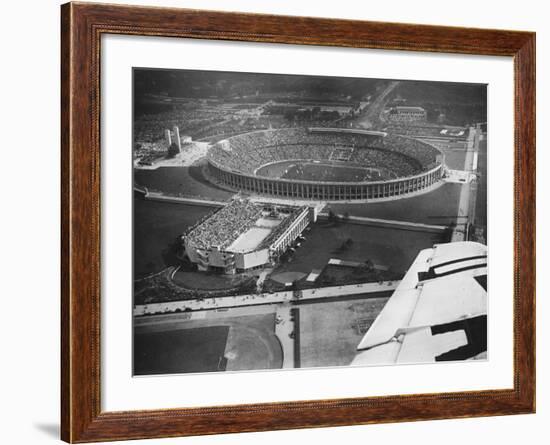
{"x":438,"y":312}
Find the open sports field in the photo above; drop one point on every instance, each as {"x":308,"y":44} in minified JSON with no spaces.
{"x":331,"y":331}
{"x":223,"y":340}
{"x":323,"y":171}
{"x":252,"y":343}
{"x":179,"y":351}
{"x":332,"y":172}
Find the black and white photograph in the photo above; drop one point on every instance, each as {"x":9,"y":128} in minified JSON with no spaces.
{"x":292,"y":221}
{"x":244,"y":223}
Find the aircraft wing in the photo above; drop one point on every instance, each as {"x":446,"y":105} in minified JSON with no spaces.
{"x":438,"y":312}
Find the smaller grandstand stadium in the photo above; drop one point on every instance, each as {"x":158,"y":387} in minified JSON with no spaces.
{"x":244,"y":235}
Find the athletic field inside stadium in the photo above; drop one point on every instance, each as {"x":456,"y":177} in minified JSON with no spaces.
{"x":324,"y":171}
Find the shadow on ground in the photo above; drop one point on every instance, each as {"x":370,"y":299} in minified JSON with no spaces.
{"x":49,"y":429}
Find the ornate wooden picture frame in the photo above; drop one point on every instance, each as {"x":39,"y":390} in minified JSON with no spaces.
{"x":82,"y":25}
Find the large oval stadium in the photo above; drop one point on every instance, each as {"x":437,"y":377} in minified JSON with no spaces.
{"x":325,"y":164}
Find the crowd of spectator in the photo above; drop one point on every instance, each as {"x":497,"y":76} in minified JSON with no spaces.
{"x":425,"y":154}
{"x":150,"y":127}
{"x":226,"y":225}
{"x":399,"y":155}
{"x":385,"y":160}
{"x":209,"y":122}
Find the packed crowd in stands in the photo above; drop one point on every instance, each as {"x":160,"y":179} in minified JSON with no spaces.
{"x":247,"y":152}
{"x":226,"y":225}
{"x":427,"y":155}
{"x":400,"y":165}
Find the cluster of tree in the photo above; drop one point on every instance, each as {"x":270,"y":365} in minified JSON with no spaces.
{"x":309,"y":114}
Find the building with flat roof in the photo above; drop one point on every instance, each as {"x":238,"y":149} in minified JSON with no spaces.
{"x":245,"y":235}
{"x":407,"y":114}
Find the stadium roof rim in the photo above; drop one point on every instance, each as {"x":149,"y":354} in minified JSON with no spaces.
{"x":341,"y":183}
{"x":347,"y":130}
{"x":315,"y":129}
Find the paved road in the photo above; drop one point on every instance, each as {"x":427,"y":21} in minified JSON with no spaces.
{"x":283,"y":330}
{"x":154,"y":196}
{"x":378,"y":222}
{"x":266,"y":298}
{"x":464,"y":204}
{"x":374,"y":110}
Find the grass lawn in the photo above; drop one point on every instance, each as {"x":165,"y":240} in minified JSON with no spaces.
{"x":208,"y":280}
{"x":438,"y":207}
{"x":180,"y":351}
{"x":396,"y":248}
{"x":219,"y":341}
{"x":187,"y":181}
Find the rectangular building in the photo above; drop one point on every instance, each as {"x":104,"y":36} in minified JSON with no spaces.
{"x":245,"y":235}
{"x":407,"y":114}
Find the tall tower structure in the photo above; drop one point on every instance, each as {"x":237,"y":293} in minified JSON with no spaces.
{"x":168,"y":137}
{"x":177,"y":137}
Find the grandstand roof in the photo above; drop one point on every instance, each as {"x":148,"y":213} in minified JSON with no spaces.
{"x":347,"y":130}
